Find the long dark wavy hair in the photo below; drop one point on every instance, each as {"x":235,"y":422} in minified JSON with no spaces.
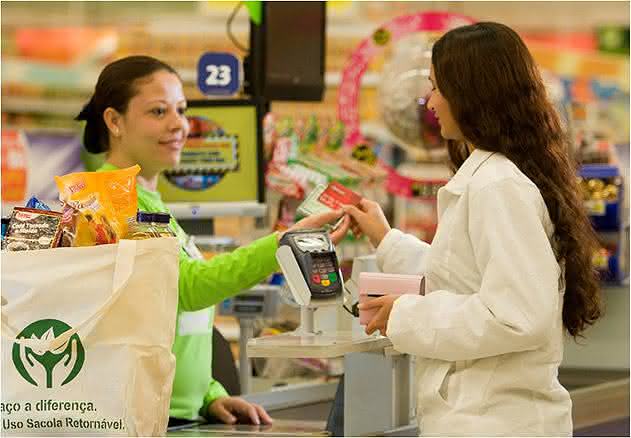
{"x":497,"y":97}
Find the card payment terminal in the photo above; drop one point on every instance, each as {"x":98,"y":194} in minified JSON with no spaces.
{"x":315,"y":256}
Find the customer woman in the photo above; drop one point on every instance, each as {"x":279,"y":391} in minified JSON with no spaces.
{"x":510,"y":267}
{"x":137,"y":116}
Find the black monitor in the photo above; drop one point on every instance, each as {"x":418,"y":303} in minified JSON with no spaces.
{"x":287,"y":52}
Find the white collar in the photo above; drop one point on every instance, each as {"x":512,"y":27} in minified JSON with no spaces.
{"x":460,"y":180}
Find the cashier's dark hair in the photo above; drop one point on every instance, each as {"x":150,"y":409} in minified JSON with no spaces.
{"x":114,"y":88}
{"x":499,"y":101}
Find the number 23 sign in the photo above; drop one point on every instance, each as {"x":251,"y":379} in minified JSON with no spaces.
{"x":218,"y":74}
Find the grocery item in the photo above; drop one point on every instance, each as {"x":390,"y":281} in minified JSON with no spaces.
{"x":36,"y":204}
{"x":98,"y":206}
{"x":149,"y":225}
{"x":599,"y":189}
{"x":31,"y":229}
{"x":86,"y":228}
{"x":5,"y":226}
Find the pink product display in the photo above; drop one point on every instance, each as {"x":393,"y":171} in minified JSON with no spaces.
{"x":375,"y":284}
{"x":388,"y":33}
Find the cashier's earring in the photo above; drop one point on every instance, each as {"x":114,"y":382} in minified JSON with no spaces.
{"x":115,"y":132}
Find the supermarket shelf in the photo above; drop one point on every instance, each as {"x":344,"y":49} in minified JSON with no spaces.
{"x":205,"y":210}
{"x":71,"y":107}
{"x":80,"y":76}
{"x":188,"y":75}
{"x":622,"y":287}
{"x":62,"y":107}
{"x":369,"y":79}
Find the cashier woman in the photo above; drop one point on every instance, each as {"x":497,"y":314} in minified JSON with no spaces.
{"x":509,"y":271}
{"x":137,"y":116}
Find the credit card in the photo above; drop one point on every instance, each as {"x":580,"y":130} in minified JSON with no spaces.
{"x":336,"y":195}
{"x":311,"y":205}
{"x":326,"y":198}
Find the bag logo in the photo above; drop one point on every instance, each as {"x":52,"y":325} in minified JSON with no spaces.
{"x":49,"y":368}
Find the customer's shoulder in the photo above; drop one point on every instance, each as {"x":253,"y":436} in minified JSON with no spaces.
{"x":499,"y":170}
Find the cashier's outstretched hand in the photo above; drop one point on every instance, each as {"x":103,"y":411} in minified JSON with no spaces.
{"x":368,"y":219}
{"x":319,"y":220}
{"x":380,"y":320}
{"x":231,"y":410}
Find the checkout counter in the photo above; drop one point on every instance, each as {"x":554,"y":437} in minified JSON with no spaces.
{"x":327,"y":330}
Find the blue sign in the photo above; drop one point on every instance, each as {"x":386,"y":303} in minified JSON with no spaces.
{"x":218,"y":74}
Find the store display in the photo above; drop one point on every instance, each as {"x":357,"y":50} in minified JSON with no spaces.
{"x":601,"y":187}
{"x":32,"y":157}
{"x":606,"y":261}
{"x":369,"y":48}
{"x":613,"y":39}
{"x":220,"y":160}
{"x":65,"y":45}
{"x":602,"y":190}
{"x":595,"y":122}
{"x":14,"y":165}
{"x":307,"y":156}
{"x":31,"y":229}
{"x":404,"y":90}
{"x":415,"y":187}
{"x":280,"y":181}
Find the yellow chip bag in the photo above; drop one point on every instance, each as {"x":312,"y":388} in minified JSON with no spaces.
{"x":98,"y":205}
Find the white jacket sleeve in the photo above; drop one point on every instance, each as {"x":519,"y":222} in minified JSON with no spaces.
{"x":400,"y":253}
{"x":516,"y":307}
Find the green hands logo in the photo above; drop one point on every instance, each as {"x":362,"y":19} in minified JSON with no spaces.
{"x":52,"y":368}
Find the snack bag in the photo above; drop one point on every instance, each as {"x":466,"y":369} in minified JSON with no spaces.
{"x":86,"y":228}
{"x":31,"y":229}
{"x":97,"y":205}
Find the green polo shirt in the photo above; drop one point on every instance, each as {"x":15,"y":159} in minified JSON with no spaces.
{"x":202,"y":284}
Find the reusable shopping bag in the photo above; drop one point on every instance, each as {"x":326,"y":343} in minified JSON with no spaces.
{"x":86,"y":339}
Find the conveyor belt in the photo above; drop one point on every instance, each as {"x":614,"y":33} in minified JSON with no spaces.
{"x":279,"y":428}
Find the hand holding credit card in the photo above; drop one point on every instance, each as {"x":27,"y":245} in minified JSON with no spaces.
{"x":326,"y":198}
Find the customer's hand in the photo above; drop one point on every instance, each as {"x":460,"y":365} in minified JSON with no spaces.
{"x":380,"y":320}
{"x":319,"y":220}
{"x":369,"y":220}
{"x":232,"y":409}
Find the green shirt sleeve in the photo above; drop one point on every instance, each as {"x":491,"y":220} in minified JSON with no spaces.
{"x":204,"y":283}
{"x":215,"y":390}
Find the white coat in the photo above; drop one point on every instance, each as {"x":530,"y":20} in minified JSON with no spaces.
{"x":488,"y":334}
